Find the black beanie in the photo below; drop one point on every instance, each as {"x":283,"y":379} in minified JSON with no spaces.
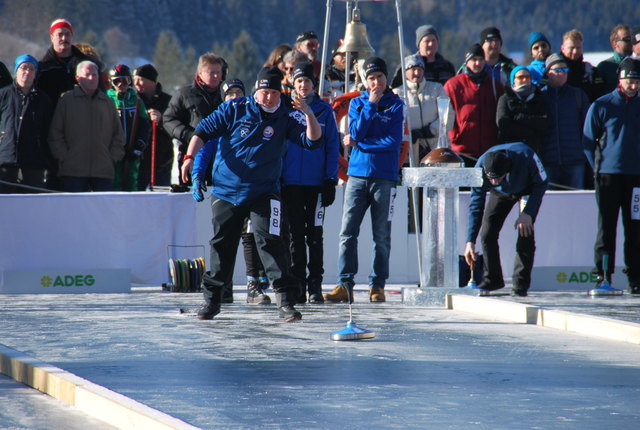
{"x":147,"y":71}
{"x":496,"y":164}
{"x":474,"y":50}
{"x":629,"y":68}
{"x":269,"y":78}
{"x":374,"y":64}
{"x":232,"y":83}
{"x":304,"y":69}
{"x":490,"y":32}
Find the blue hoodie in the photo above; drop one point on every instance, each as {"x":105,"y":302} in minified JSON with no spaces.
{"x":377,"y":128}
{"x":248,"y":161}
{"x":527,"y":177}
{"x":312,"y":167}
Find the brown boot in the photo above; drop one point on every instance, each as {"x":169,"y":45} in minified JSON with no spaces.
{"x":338,"y":295}
{"x":376,"y":294}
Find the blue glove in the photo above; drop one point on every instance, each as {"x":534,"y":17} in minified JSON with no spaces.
{"x":198,"y":189}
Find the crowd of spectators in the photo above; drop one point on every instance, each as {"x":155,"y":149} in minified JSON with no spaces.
{"x":68,"y":124}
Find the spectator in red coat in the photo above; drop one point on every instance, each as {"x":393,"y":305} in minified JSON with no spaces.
{"x":474,"y":96}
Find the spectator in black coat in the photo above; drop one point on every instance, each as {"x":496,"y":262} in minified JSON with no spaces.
{"x":145,"y":79}
{"x":436,"y":67}
{"x":191,"y":104}
{"x":25,"y":114}
{"x":522,"y":113}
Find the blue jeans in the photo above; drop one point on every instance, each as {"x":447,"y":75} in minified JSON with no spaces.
{"x":360,"y":194}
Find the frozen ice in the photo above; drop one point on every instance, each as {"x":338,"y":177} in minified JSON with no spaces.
{"x":442,"y":177}
{"x":426,"y":367}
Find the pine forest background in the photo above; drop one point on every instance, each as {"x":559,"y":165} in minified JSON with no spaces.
{"x":173,"y":33}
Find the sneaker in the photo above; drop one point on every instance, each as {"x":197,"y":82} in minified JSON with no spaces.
{"x":339,"y":295}
{"x":316,"y":298}
{"x":289,"y":313}
{"x":376,"y":294}
{"x":255,"y":295}
{"x":208,"y":311}
{"x":485,"y":285}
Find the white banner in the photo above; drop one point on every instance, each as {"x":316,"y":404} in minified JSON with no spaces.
{"x":66,"y":281}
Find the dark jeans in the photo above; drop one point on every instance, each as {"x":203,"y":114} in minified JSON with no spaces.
{"x":74,"y":184}
{"x":228,"y":221}
{"x":303,"y":213}
{"x":613,"y":194}
{"x":497,"y":210}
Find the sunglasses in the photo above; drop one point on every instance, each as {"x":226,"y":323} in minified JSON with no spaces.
{"x":559,"y":70}
{"x":625,"y":39}
{"x":120,"y":81}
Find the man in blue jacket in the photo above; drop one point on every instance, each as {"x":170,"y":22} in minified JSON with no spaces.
{"x":309,"y":179}
{"x":512,"y":173}
{"x":612,"y":145}
{"x":253,"y":134}
{"x":375,"y":136}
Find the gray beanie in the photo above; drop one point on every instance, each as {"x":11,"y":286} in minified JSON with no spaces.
{"x":424,"y":30}
{"x":554,"y":59}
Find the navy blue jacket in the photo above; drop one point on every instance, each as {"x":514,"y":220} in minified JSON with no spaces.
{"x":377,"y":129}
{"x":612,"y":130}
{"x":252,"y":144}
{"x":312,"y":167}
{"x":527,"y":177}
{"x":567,"y":108}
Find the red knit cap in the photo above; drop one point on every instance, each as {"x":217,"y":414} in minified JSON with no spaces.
{"x":59,"y":23}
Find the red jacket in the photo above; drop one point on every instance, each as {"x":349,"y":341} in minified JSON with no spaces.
{"x":475,"y":128}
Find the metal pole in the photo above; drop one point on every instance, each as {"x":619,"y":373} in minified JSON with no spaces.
{"x":325,"y":41}
{"x":347,"y":54}
{"x":412,"y":161}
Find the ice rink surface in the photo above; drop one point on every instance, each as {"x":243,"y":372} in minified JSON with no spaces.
{"x":427,"y":368}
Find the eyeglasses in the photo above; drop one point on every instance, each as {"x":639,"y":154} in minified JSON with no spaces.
{"x":559,"y":70}
{"x":522,"y":78}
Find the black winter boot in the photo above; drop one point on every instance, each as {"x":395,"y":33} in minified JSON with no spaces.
{"x":286,"y":311}
{"x":315,"y":291}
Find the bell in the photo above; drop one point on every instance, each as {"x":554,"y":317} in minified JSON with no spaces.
{"x":355,"y":37}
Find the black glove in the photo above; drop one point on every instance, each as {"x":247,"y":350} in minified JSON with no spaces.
{"x":328,"y":193}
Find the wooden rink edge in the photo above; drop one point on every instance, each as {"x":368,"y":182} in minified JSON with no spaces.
{"x":96,"y":401}
{"x":606,"y":328}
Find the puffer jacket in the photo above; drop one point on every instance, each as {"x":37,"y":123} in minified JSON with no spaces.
{"x":567,"y":108}
{"x":522,"y":120}
{"x":24,"y":124}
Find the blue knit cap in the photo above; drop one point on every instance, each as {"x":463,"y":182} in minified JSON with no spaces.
{"x":25,"y":58}
{"x":515,"y":70}
{"x":537,"y":36}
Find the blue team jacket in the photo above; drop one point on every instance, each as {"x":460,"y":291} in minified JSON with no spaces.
{"x":312,"y":167}
{"x":527,"y":177}
{"x":613,"y":129}
{"x":377,"y":128}
{"x":248,"y":161}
